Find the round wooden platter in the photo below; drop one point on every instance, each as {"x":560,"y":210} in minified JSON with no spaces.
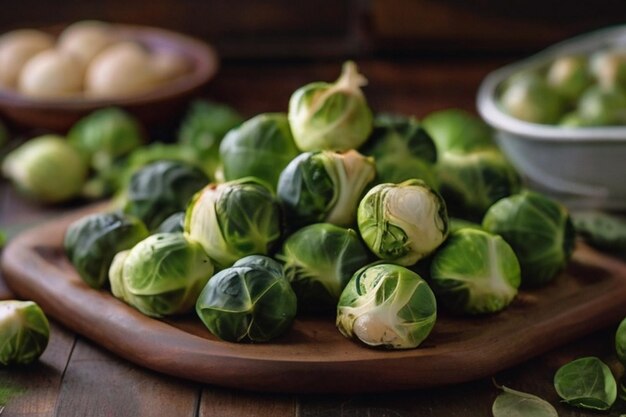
{"x":313,"y":356}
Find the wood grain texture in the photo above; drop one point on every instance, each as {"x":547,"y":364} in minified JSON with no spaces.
{"x":39,"y":384}
{"x":99,"y":384}
{"x":227,"y":403}
{"x":313,"y":356}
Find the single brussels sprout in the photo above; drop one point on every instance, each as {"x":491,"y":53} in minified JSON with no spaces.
{"x":319,"y":261}
{"x":609,"y":68}
{"x":528,"y":97}
{"x":470,"y":183}
{"x":620,"y":342}
{"x":203,"y":128}
{"x":333,"y":117}
{"x":92,"y":241}
{"x":475,"y":272}
{"x":598,"y":107}
{"x":162,"y":275}
{"x":261,"y":147}
{"x":458,"y":131}
{"x":46,"y":169}
{"x":512,"y":403}
{"x":387,"y":305}
{"x":252,"y":302}
{"x":160,"y":189}
{"x":324,"y":186}
{"x":538,"y":229}
{"x":24,"y":332}
{"x":105,"y":135}
{"x":569,"y":76}
{"x":234,"y":219}
{"x":173,"y":224}
{"x":403,"y":223}
{"x":402,"y":150}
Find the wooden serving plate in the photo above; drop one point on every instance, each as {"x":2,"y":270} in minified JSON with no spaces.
{"x":314,"y":356}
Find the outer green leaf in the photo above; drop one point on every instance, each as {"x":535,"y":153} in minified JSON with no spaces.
{"x":602,"y":230}
{"x":512,"y":403}
{"x":586,"y":383}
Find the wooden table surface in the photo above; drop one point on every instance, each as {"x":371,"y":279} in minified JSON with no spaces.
{"x":74,"y":377}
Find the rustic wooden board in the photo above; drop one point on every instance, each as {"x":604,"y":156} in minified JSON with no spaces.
{"x":313,"y":356}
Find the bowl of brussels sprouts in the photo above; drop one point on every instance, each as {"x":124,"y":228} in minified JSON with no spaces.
{"x":560,"y":117}
{"x":51,"y":77}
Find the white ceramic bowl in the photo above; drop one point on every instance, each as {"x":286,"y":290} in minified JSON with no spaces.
{"x":582,"y":167}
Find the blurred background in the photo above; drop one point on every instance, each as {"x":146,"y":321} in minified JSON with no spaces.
{"x":243,"y":29}
{"x":482,"y":35}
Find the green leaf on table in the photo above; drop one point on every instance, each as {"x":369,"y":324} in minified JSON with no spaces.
{"x":586,"y":383}
{"x":512,"y":403}
{"x":602,"y":230}
{"x":3,"y":238}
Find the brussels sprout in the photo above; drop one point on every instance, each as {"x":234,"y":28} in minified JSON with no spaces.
{"x":234,"y":219}
{"x":319,"y":261}
{"x":402,"y":150}
{"x":538,"y":229}
{"x":160,"y":189}
{"x":403,"y":223}
{"x":601,"y":107}
{"x":251,"y":302}
{"x":475,"y":272}
{"x":609,"y":68}
{"x":203,"y":128}
{"x":162,"y":275}
{"x":528,"y":97}
{"x":92,"y":241}
{"x":324,"y":186}
{"x":457,"y":131}
{"x":387,"y":305}
{"x":105,"y":135}
{"x":327,"y":116}
{"x":46,"y":169}
{"x":569,"y":76}
{"x":173,"y":224}
{"x":24,"y":332}
{"x":261,"y":147}
{"x":470,"y":183}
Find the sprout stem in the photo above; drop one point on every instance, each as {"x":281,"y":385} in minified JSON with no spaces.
{"x":350,"y":77}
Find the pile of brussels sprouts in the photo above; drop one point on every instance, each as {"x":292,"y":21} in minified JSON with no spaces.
{"x":570,"y":91}
{"x":327,"y":210}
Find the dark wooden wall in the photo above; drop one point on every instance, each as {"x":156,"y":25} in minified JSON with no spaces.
{"x":330,"y":28}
